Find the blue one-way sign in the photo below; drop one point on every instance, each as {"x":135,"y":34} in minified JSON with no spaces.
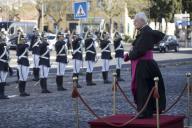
{"x":80,"y":10}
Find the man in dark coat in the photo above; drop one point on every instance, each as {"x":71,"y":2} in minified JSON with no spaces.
{"x":144,"y":68}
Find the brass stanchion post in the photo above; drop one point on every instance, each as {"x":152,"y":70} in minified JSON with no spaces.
{"x":114,"y":89}
{"x":156,"y":79}
{"x":188,"y":75}
{"x":76,"y":106}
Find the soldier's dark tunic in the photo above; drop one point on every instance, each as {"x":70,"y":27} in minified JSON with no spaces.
{"x":90,"y":50}
{"x":76,"y":45}
{"x":146,"y":70}
{"x":105,"y":47}
{"x":119,"y":51}
{"x":34,"y":45}
{"x":22,"y":54}
{"x":44,"y":54}
{"x":3,"y":58}
{"x":61,"y":52}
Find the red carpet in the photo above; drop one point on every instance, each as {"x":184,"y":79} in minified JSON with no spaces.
{"x":165,"y":122}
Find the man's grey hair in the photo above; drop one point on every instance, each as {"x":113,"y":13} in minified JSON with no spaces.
{"x":142,"y":15}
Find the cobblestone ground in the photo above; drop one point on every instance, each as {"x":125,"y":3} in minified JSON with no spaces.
{"x":56,"y":110}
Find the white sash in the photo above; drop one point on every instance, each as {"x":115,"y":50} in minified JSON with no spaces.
{"x":23,"y":54}
{"x":105,"y":49}
{"x":43,"y":55}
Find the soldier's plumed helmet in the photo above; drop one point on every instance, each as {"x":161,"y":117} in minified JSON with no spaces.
{"x":21,"y":39}
{"x":74,"y":36}
{"x":19,"y":29}
{"x":35,"y":28}
{"x":60,"y":34}
{"x":117,"y":35}
{"x":89,"y":35}
{"x":105,"y":35}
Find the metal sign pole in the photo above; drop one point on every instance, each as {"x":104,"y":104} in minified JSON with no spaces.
{"x":188,"y":75}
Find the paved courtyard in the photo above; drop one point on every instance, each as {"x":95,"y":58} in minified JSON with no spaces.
{"x":56,"y":110}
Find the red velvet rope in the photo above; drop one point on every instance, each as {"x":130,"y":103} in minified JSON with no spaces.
{"x":109,"y":123}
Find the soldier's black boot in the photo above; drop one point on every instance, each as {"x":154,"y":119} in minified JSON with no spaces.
{"x":17,"y":76}
{"x":10,"y":71}
{"x":104,"y":76}
{"x":43,"y":83}
{"x":106,"y":81}
{"x":59,"y":81}
{"x":2,"y":90}
{"x":77,"y":75}
{"x":36,"y":74}
{"x":118,"y":71}
{"x":22,"y":85}
{"x":89,"y":79}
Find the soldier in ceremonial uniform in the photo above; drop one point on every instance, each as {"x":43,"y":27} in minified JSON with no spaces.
{"x":35,"y":41}
{"x":4,"y":65}
{"x":8,"y":46}
{"x":61,"y":59}
{"x":23,"y":63}
{"x":119,"y":54}
{"x":90,"y":57}
{"x":77,"y":56}
{"x":44,"y":63}
{"x":15,"y":41}
{"x":105,"y":56}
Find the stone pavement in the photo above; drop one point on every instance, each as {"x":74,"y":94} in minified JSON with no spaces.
{"x":56,"y":110}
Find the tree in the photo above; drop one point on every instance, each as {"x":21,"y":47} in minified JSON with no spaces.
{"x":112,"y":8}
{"x":135,"y":6}
{"x":39,"y":10}
{"x":164,"y":9}
{"x":55,"y":10}
{"x":14,"y":15}
{"x":187,"y":7}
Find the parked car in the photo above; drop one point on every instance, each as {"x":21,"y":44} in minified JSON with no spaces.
{"x":169,"y":42}
{"x":52,"y":40}
{"x":27,"y":28}
{"x":5,"y":24}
